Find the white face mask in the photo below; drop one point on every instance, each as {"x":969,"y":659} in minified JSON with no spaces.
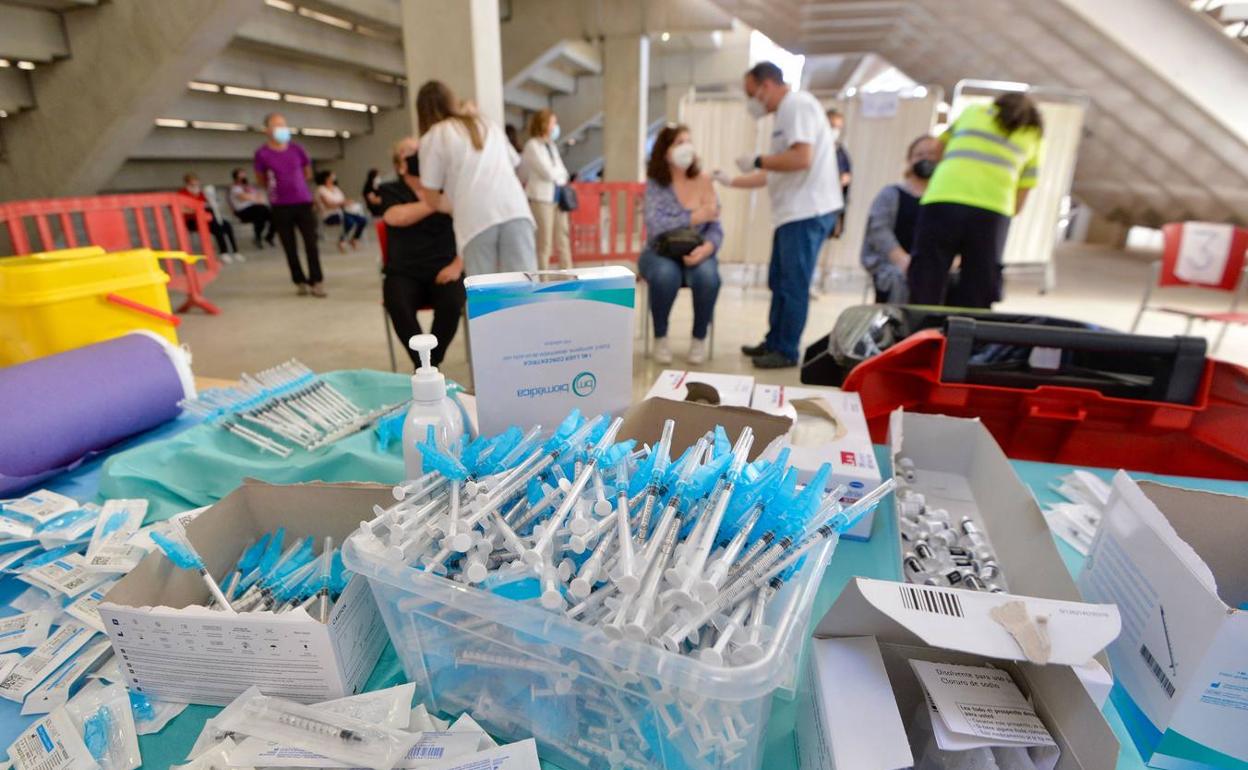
{"x":836,"y":134}
{"x":755,"y":107}
{"x":682,"y":155}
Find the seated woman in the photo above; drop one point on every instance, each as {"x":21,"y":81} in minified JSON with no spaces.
{"x":423,"y":267}
{"x":682,"y":221}
{"x":335,"y":209}
{"x":890,"y":223}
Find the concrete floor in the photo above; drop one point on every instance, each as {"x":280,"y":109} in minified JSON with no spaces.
{"x":262,"y":321}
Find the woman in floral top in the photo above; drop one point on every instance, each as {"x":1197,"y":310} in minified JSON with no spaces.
{"x":680,"y":196}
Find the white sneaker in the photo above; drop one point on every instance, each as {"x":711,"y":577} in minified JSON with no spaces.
{"x":697,"y":351}
{"x":662,"y":351}
{"x":239,"y":257}
{"x":227,"y":259}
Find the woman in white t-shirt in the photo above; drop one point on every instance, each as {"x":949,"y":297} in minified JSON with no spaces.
{"x":545,"y":174}
{"x":335,"y":209}
{"x":468,"y":170}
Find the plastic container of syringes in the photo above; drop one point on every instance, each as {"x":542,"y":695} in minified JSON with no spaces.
{"x":591,"y":702}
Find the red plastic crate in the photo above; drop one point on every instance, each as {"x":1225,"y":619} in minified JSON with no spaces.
{"x":1073,"y":426}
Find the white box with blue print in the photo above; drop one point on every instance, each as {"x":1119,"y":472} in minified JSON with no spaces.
{"x":546,"y":342}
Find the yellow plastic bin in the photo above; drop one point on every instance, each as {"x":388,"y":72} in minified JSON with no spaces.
{"x":58,"y":301}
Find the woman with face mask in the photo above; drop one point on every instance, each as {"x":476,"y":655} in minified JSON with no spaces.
{"x":284,"y":167}
{"x":890,"y":223}
{"x":422,"y":265}
{"x":544,"y":173}
{"x":336,"y":210}
{"x":682,"y":223}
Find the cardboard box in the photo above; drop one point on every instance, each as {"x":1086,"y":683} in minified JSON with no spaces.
{"x":1174,"y":561}
{"x":860,"y":692}
{"x":703,"y":387}
{"x":172,"y":648}
{"x":545,"y":343}
{"x":828,"y":427}
{"x":644,"y":423}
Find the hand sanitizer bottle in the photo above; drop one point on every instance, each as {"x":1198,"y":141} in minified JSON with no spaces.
{"x":430,"y":406}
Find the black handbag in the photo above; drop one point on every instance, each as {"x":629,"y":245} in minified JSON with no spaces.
{"x":565,"y":197}
{"x":676,"y":244}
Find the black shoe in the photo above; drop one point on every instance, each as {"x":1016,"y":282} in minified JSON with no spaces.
{"x":773,"y":360}
{"x":259,"y":243}
{"x":754,"y":351}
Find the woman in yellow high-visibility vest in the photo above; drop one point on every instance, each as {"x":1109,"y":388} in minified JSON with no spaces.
{"x":990,"y":163}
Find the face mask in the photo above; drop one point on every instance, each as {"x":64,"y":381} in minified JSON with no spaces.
{"x":413,"y":165}
{"x":923,"y":168}
{"x":682,"y":155}
{"x":281,"y":134}
{"x":554,"y":133}
{"x":756,"y":108}
{"x":836,"y":135}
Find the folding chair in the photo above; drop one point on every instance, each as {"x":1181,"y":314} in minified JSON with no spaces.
{"x":1205,"y":256}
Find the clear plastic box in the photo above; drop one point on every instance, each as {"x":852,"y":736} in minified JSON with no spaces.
{"x":592,"y":703}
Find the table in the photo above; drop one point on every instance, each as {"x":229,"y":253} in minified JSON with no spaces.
{"x":874,"y":558}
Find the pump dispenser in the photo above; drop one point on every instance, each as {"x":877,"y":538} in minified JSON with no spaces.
{"x":430,"y":406}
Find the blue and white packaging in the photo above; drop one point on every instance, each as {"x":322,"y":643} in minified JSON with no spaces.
{"x":1173,"y":561}
{"x":544,"y":343}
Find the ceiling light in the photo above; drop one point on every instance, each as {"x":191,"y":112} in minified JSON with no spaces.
{"x":313,"y":101}
{"x":171,"y":122}
{"x":4,"y":114}
{"x":666,"y":36}
{"x":196,"y":85}
{"x":919,"y":92}
{"x":4,"y":62}
{"x":372,"y":108}
{"x":25,"y":65}
{"x":325,"y":18}
{"x":346,"y":134}
{"x":281,"y":5}
{"x":254,"y":93}
{"x":217,"y":125}
{"x":326,"y":132}
{"x":339,"y":104}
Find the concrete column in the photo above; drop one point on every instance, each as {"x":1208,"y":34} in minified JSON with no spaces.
{"x":626,"y":87}
{"x":128,"y":61}
{"x":457,"y":43}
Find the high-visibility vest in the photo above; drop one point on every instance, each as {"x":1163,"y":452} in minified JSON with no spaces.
{"x":982,"y":165}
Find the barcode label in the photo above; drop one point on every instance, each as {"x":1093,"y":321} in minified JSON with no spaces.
{"x":928,"y":600}
{"x":426,"y":752}
{"x":1157,"y":670}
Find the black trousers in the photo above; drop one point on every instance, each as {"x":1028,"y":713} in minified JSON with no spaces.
{"x":944,"y":231}
{"x":404,"y":295}
{"x":259,"y":217}
{"x":285,"y":219}
{"x":222,"y":233}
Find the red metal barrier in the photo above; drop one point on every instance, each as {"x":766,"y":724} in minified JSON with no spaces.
{"x":609,"y":223}
{"x":119,"y":222}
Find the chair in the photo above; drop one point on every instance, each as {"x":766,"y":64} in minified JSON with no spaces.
{"x":1191,"y":256}
{"x":609,"y":227}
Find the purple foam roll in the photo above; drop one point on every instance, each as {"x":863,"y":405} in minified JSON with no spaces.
{"x":58,"y":410}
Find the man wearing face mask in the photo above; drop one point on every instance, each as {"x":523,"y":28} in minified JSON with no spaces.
{"x":422,"y":265}
{"x":284,"y":168}
{"x":889,"y":238}
{"x":804,"y":186}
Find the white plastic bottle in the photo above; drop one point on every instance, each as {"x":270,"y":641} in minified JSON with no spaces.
{"x":430,"y":406}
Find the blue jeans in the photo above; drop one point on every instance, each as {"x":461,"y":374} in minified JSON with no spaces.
{"x":352,"y":227}
{"x":794,"y":253}
{"x":666,"y":277}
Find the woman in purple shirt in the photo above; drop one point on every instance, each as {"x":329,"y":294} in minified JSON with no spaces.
{"x":284,"y":167}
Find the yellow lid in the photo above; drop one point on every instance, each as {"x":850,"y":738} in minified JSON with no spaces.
{"x":47,"y":278}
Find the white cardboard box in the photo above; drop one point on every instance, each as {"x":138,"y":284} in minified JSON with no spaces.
{"x":860,"y":692}
{"x":703,"y":387}
{"x":1176,"y":562}
{"x":545,"y":343}
{"x":828,"y":427}
{"x":172,"y":648}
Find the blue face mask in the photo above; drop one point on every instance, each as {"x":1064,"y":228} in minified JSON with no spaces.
{"x":281,"y":134}
{"x":554,"y":133}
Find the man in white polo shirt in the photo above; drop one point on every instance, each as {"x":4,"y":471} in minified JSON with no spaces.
{"x":804,"y":185}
